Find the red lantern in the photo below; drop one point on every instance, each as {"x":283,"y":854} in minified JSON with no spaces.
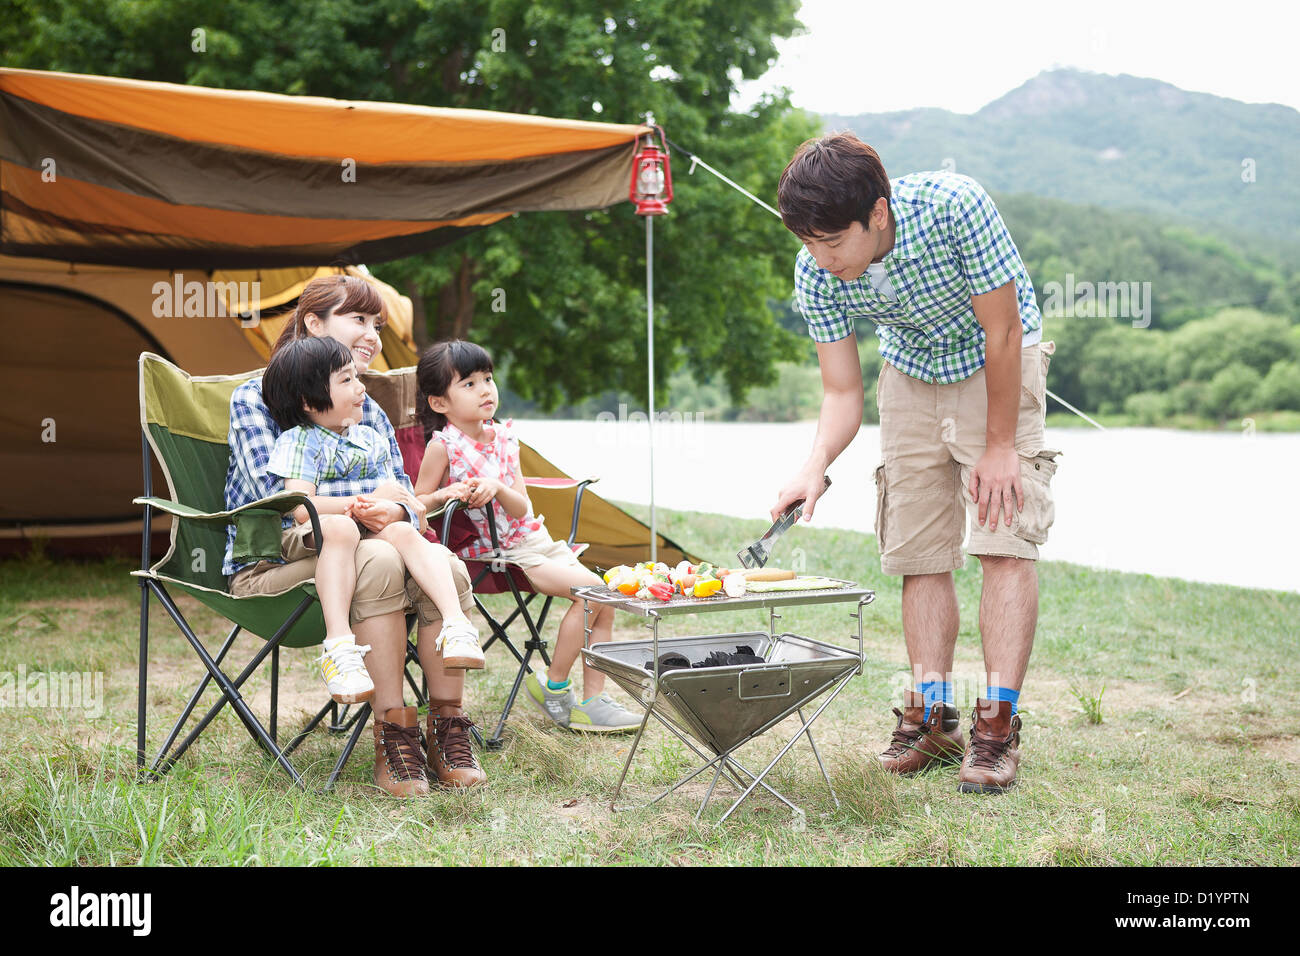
{"x":652,"y":180}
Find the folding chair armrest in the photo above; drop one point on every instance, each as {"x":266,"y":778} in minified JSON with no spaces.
{"x":577,"y":508}
{"x":565,"y":483}
{"x":282,"y":501}
{"x":450,"y":510}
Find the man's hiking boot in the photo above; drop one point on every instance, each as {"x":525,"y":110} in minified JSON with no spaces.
{"x":451,"y":750}
{"x":918,"y":743}
{"x":994,"y":755}
{"x":399,"y":761}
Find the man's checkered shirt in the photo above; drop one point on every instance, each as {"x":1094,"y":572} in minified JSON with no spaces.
{"x":950,"y":243}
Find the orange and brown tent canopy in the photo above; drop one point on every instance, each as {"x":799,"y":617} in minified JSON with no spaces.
{"x":125,"y":172}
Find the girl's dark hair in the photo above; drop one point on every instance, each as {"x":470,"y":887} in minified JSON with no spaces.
{"x":326,"y":295}
{"x":439,"y":366}
{"x":829,"y":184}
{"x":299,"y":373}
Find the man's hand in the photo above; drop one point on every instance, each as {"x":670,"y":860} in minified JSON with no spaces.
{"x":375,"y":513}
{"x":808,"y":485}
{"x":838,"y":423}
{"x":995,"y":480}
{"x":995,"y":485}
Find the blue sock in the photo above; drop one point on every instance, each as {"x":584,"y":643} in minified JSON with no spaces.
{"x":934,"y":691}
{"x":557,"y":685}
{"x":1004,"y":693}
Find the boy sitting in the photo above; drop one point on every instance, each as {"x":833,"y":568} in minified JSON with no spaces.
{"x":313,"y":392}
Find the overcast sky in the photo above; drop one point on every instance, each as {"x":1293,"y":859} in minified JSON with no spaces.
{"x":860,"y":56}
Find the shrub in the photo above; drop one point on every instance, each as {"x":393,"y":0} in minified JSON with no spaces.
{"x":1280,"y":389}
{"x":1187,"y":398}
{"x":1149,"y":408}
{"x":1232,"y":391}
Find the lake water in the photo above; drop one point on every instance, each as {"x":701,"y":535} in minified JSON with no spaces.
{"x":1205,"y":506}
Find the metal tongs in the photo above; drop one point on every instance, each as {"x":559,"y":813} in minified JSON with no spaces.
{"x":756,"y":555}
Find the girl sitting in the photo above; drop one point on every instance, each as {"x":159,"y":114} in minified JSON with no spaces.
{"x":476,"y":459}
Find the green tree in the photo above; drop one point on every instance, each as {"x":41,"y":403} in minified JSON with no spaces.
{"x":1149,"y":408}
{"x":574,"y":319}
{"x":1280,"y":389}
{"x":1200,"y":349}
{"x":1232,"y":391}
{"x":1119,"y":361}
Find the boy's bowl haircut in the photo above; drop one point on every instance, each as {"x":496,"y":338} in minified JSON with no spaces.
{"x":299,"y":374}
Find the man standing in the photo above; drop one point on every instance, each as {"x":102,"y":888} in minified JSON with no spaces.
{"x":928,"y":259}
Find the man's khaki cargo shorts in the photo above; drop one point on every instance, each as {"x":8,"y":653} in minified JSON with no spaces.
{"x":931,"y":437}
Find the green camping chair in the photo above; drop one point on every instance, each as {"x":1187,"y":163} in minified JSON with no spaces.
{"x":185,"y":421}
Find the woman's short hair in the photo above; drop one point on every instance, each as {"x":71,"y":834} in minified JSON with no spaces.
{"x":299,"y":374}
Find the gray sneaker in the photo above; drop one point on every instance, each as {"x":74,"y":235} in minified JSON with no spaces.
{"x":555,"y":704}
{"x":603,"y":715}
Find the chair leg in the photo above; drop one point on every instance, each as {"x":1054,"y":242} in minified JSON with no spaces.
{"x":505,"y":625}
{"x":194,"y":699}
{"x":275,"y":692}
{"x":546,"y":609}
{"x":300,"y":736}
{"x":229,"y":689}
{"x":536,"y":644}
{"x":362,"y":714}
{"x":494,"y":742}
{"x":144,"y":669}
{"x":498,"y":630}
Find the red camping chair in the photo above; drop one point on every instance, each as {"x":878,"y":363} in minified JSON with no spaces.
{"x":493,"y":574}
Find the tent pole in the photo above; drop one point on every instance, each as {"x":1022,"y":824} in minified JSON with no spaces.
{"x":650,"y":358}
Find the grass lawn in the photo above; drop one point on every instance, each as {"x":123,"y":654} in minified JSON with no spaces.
{"x":1195,"y":760}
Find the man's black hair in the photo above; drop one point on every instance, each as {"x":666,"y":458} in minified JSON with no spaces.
{"x":832,"y":182}
{"x":299,"y":374}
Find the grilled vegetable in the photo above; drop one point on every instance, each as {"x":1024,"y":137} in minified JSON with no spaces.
{"x":707,"y":587}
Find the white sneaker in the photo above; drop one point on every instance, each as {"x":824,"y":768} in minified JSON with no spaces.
{"x":343,"y":671}
{"x":459,"y":645}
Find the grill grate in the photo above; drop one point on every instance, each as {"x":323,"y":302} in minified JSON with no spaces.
{"x":607,"y":595}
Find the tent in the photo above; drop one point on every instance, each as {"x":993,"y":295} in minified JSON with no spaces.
{"x":71,"y":451}
{"x":127,"y":172}
{"x":115,"y":192}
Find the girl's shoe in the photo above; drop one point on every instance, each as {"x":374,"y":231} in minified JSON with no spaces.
{"x":555,"y":704}
{"x":603,"y":715}
{"x":600,"y":715}
{"x":459,"y":645}
{"x":343,"y":671}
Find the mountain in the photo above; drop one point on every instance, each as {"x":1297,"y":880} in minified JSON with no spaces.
{"x":1119,"y":141}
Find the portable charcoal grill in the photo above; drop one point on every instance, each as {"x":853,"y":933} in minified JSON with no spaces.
{"x":723,"y":708}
